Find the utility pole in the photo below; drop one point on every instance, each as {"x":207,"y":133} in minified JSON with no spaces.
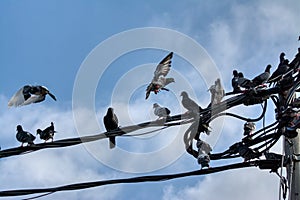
{"x":292,"y":150}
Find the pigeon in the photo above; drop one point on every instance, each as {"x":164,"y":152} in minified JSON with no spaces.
{"x":161,"y":112}
{"x":243,"y":82}
{"x":29,"y":94}
{"x":47,"y":133}
{"x":24,"y":136}
{"x":281,"y":70}
{"x":111,"y":124}
{"x":159,"y":80}
{"x":204,"y":150}
{"x":262,"y":78}
{"x":217,"y":92}
{"x":234,"y":82}
{"x":189,"y":104}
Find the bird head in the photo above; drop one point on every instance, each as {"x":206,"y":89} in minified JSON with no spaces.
{"x":241,"y":75}
{"x":38,"y":131}
{"x":110,"y":111}
{"x":19,"y":128}
{"x":235,"y":73}
{"x":268,"y":68}
{"x":52,"y":124}
{"x":184,"y":94}
{"x":155,"y":105}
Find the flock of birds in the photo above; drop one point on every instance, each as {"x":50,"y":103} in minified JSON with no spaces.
{"x":35,"y":94}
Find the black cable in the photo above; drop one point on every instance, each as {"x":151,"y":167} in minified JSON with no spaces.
{"x":153,"y":178}
{"x":75,"y":141}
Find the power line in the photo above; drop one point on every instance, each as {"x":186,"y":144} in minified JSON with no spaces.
{"x":262,"y":164}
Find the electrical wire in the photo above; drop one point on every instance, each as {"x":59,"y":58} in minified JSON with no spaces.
{"x":153,"y":178}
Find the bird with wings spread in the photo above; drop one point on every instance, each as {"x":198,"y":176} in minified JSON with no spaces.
{"x":30,"y":94}
{"x":159,"y":80}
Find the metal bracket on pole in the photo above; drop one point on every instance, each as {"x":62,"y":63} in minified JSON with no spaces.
{"x":296,"y":158}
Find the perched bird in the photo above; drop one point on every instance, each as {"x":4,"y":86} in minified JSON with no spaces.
{"x":281,"y":70}
{"x":243,"y":82}
{"x":24,"y":136}
{"x":47,"y":133}
{"x":204,"y":150}
{"x":29,"y":94}
{"x":111,"y":124}
{"x":262,"y":78}
{"x":159,"y":80}
{"x":217,"y":92}
{"x":189,"y":104}
{"x":161,"y":112}
{"x":234,"y":82}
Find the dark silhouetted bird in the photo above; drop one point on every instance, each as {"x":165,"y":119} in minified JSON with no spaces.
{"x":234,"y":82}
{"x":159,"y":80}
{"x":29,"y":94}
{"x":24,"y":136}
{"x":243,"y":82}
{"x":47,"y":133}
{"x":281,"y":70}
{"x":161,"y":112}
{"x":111,"y":124}
{"x":262,"y":78}
{"x":189,"y":104}
{"x":217,"y":92}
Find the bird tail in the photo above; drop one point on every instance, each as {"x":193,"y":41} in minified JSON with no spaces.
{"x":112,"y":142}
{"x":52,"y":96}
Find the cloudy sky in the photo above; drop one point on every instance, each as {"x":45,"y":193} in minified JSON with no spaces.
{"x":84,"y":51}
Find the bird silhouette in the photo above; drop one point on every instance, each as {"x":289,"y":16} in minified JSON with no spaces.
{"x":161,"y":112}
{"x":217,"y":92}
{"x":189,"y":104}
{"x":29,"y":94}
{"x":24,"y":136}
{"x":282,"y":69}
{"x":47,"y":133}
{"x":159,"y":80}
{"x":111,"y":124}
{"x":234,"y":82}
{"x":262,"y":78}
{"x":243,"y":82}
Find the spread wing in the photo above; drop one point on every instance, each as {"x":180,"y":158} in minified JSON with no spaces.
{"x":163,"y":67}
{"x":18,"y":99}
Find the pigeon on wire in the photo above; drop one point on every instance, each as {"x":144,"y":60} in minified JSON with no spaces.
{"x":234,"y":82}
{"x":262,"y":78}
{"x":24,"y":136}
{"x":189,"y":104}
{"x":204,"y":150}
{"x":243,"y":82}
{"x":282,"y":69}
{"x":161,"y":112}
{"x":30,"y":94}
{"x":159,"y":80}
{"x":110,"y":121}
{"x":217,"y":92}
{"x":47,"y":133}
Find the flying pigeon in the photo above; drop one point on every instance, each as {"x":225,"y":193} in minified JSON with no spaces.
{"x":189,"y":104}
{"x":29,"y":94}
{"x":217,"y":92}
{"x":159,"y":80}
{"x":24,"y":136}
{"x":243,"y":82}
{"x":161,"y":112}
{"x":111,"y":124}
{"x":47,"y":133}
{"x":234,"y":82}
{"x":262,"y":78}
{"x":204,"y":150}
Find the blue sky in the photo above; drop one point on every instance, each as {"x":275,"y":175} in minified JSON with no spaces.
{"x":46,"y":42}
